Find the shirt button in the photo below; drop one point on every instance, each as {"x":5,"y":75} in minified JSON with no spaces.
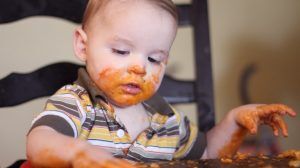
{"x":120,"y":133}
{"x":149,"y":135}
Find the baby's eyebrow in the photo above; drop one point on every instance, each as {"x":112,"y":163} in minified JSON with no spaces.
{"x":122,"y":40}
{"x":166,"y":53}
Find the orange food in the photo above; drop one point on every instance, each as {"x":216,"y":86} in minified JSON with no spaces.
{"x":154,"y":165}
{"x":241,"y":156}
{"x":294,"y":163}
{"x":294,"y":154}
{"x":226,"y":160}
{"x":113,"y":81}
{"x":230,"y":149}
{"x":251,"y":116}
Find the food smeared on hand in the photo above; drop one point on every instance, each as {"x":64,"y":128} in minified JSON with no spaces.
{"x":254,"y":115}
{"x":249,"y":117}
{"x":232,"y":146}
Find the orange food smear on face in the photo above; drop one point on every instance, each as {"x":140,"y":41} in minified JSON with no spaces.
{"x":137,"y":69}
{"x":111,"y":82}
{"x":231,"y":148}
{"x":156,"y":78}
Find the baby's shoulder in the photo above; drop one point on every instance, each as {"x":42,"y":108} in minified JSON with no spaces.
{"x":73,"y":92}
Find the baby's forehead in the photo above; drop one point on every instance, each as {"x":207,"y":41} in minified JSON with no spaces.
{"x":111,"y":7}
{"x":99,"y":9}
{"x":107,"y":8}
{"x":127,"y":11}
{"x":115,"y":6}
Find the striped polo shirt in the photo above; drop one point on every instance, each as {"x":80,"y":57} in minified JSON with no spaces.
{"x":81,"y":110}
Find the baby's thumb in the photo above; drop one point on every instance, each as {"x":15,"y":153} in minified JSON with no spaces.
{"x":249,"y":124}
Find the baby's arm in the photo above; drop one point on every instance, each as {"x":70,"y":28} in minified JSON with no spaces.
{"x":226,"y":137}
{"x":48,"y":148}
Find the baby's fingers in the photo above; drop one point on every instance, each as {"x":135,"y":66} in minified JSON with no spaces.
{"x":274,"y":127}
{"x":287,"y":110}
{"x":276,"y":108}
{"x":249,"y":123}
{"x":281,"y":124}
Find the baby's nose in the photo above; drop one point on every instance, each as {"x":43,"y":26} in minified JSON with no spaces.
{"x":137,"y":69}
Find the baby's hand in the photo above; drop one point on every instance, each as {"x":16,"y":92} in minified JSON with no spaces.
{"x":250,"y":116}
{"x":95,"y":157}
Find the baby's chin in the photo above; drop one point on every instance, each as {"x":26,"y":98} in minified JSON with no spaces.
{"x":126,"y":102}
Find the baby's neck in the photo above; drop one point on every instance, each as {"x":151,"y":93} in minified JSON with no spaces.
{"x":134,"y":118}
{"x":137,"y":110}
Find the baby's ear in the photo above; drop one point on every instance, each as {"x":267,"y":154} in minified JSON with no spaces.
{"x":79,"y":44}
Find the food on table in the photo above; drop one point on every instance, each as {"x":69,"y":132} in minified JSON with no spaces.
{"x":287,"y":159}
{"x":295,"y":154}
{"x":294,"y":163}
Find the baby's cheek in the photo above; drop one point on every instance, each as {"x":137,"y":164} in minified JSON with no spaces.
{"x":149,"y":89}
{"x":107,"y":80}
{"x":158,"y":76}
{"x":156,"y":80}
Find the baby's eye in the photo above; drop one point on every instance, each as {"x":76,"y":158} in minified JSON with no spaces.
{"x":120,"y":52}
{"x":156,"y":61}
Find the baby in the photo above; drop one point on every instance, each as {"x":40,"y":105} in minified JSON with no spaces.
{"x":112,"y":111}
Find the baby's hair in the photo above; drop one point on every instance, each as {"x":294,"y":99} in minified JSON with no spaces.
{"x":94,"y":6}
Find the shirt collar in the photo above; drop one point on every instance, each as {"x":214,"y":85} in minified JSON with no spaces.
{"x":95,"y":93}
{"x":156,"y":104}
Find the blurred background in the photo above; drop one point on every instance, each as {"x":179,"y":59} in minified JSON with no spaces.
{"x":263,"y":36}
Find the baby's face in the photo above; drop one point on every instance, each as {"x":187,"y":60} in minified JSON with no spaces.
{"x":127,"y":50}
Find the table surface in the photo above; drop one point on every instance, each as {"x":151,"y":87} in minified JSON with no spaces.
{"x":249,"y":162}
{"x":287,"y":159}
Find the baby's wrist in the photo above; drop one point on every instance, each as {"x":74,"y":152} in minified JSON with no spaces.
{"x":232,"y":115}
{"x":76,"y":148}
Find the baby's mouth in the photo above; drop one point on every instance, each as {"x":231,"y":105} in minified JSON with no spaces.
{"x":131,"y":88}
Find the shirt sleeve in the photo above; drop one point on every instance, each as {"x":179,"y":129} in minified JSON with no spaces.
{"x":192,"y":143}
{"x":63,"y":112}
